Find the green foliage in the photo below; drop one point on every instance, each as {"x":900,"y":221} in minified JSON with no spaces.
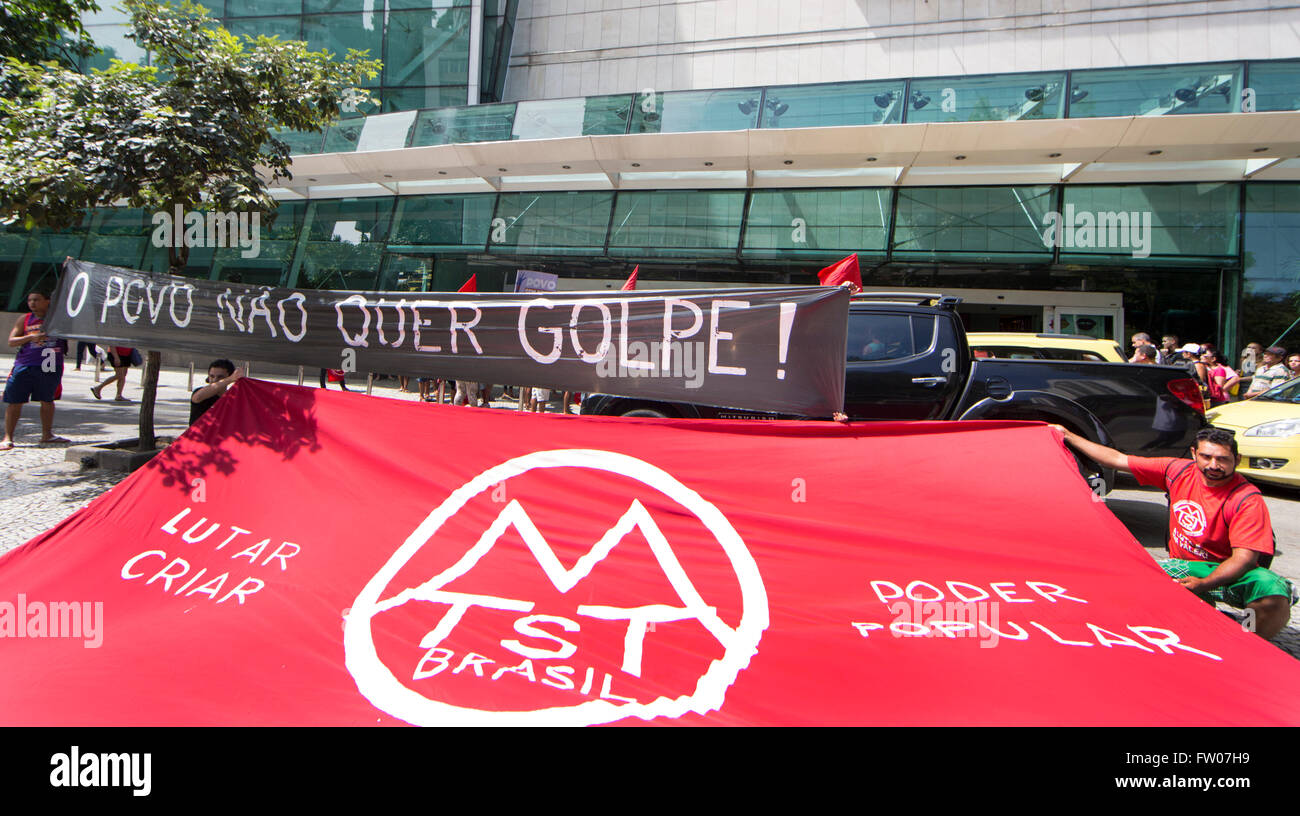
{"x":195,"y":128}
{"x":40,"y":30}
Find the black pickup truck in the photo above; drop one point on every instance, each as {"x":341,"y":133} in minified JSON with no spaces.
{"x":908,"y":360}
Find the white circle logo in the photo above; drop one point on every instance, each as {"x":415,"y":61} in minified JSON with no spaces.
{"x":1189,"y":516}
{"x":377,"y":682}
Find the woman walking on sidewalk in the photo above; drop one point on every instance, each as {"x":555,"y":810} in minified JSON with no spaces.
{"x":121,"y":359}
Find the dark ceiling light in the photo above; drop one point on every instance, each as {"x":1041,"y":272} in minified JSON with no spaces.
{"x":959,"y":158}
{"x":1053,"y":155}
{"x":747,"y":107}
{"x":708,"y":164}
{"x":884,"y":100}
{"x":1078,"y":95}
{"x":1185,"y":94}
{"x":1036,"y":94}
{"x":1261,"y":150}
{"x":311,"y":179}
{"x":919,"y":100}
{"x":502,"y":170}
{"x":636,"y":164}
{"x":442,"y":172}
{"x":871,"y":158}
{"x":565,"y":167}
{"x":788,"y":161}
{"x":387,"y":175}
{"x":1154,"y":152}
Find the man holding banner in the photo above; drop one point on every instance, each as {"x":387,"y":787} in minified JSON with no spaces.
{"x":37,"y":372}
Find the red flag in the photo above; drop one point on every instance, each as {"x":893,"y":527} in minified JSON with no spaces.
{"x":630,"y":284}
{"x":845,"y":271}
{"x":470,"y":285}
{"x":547,"y":570}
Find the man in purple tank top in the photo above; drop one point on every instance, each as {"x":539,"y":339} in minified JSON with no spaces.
{"x":37,"y":373}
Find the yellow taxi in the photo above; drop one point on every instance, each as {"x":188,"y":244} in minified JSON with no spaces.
{"x":1268,"y":433}
{"x":1030,"y":346}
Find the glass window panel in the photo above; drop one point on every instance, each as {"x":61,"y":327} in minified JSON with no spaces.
{"x":688,"y":111}
{"x":1156,"y":91}
{"x":1001,"y":98}
{"x":676,"y":223}
{"x":852,"y":103}
{"x":554,"y":223}
{"x":337,"y":33}
{"x":1276,"y":85}
{"x":345,"y":243}
{"x":476,"y":123}
{"x":782,"y":222}
{"x":286,"y":28}
{"x":278,"y":239}
{"x":114,"y":43}
{"x":251,"y":8}
{"x":1272,"y":271}
{"x":328,"y":6}
{"x":118,"y":237}
{"x":1186,"y":220}
{"x":300,"y":142}
{"x":404,"y":99}
{"x":429,"y":47}
{"x":554,"y":118}
{"x":216,"y":8}
{"x":974,"y":223}
{"x":442,"y":222}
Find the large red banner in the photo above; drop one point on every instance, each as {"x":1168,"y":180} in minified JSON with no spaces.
{"x":310,"y":557}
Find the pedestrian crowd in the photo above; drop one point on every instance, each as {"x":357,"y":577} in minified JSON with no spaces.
{"x":1257,"y":370}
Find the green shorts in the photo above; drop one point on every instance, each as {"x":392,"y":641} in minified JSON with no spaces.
{"x":1256,"y":584}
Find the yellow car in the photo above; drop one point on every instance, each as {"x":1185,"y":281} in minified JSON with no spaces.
{"x":1029,"y":346}
{"x":1268,"y":433}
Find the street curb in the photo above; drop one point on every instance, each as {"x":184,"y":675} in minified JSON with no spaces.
{"x":117,"y":455}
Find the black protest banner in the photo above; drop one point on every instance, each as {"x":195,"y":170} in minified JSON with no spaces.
{"x":777,"y":349}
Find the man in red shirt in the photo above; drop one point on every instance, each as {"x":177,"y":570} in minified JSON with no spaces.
{"x":1219,"y":527}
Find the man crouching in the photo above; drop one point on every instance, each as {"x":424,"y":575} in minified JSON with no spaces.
{"x":1219,"y":526}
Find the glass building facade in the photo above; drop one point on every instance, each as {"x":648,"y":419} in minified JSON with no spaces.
{"x":1213,"y":258}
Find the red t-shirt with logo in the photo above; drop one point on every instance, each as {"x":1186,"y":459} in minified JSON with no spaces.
{"x":1198,"y":525}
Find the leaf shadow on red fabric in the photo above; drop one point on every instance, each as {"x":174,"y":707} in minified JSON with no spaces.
{"x":239,"y":420}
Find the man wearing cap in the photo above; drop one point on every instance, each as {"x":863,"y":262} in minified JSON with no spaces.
{"x":1270,"y":373}
{"x":1219,"y":527}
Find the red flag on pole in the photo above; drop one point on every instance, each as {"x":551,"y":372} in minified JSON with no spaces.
{"x":845,"y":271}
{"x":630,"y":284}
{"x":470,"y":285}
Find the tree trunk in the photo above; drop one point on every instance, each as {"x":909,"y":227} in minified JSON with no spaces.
{"x":148,"y":396}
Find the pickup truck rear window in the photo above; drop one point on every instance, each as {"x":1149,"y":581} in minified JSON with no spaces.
{"x":888,"y":336}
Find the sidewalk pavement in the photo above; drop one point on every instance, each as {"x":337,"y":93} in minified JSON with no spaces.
{"x":38,"y":488}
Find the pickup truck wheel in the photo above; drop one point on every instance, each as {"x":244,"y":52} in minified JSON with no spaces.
{"x":645,"y":412}
{"x":1092,"y":474}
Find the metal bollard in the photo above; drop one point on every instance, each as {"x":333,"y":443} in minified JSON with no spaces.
{"x":300,"y":376}
{"x":190,"y":387}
